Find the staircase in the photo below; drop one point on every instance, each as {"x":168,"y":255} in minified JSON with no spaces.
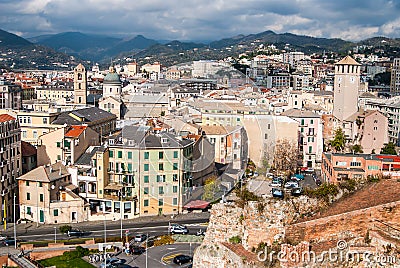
{"x":23,"y":261}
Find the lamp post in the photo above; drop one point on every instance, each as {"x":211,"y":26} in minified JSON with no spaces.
{"x":15,"y":224}
{"x":55,"y":235}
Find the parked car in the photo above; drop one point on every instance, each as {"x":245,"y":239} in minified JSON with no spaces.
{"x":76,"y":232}
{"x":277,"y":193}
{"x":291,"y":184}
{"x":299,"y":177}
{"x":138,"y":250}
{"x":140,"y":237}
{"x":276,"y":182}
{"x":3,"y":237}
{"x":178,"y":229}
{"x":297,"y":191}
{"x":9,"y":242}
{"x":182,"y":259}
{"x":112,"y":262}
{"x":318,"y":182}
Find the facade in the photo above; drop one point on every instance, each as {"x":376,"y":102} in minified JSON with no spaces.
{"x":10,"y":162}
{"x":395,"y":77}
{"x":390,"y":108}
{"x":80,"y":84}
{"x":55,"y":92}
{"x":154,"y":170}
{"x":341,"y":167}
{"x":372,"y":131}
{"x":346,"y":86}
{"x":10,"y":96}
{"x":310,"y":131}
{"x":66,"y":144}
{"x":112,"y":86}
{"x":47,"y":196}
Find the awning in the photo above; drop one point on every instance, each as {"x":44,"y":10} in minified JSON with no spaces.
{"x":114,"y":187}
{"x":197,"y":204}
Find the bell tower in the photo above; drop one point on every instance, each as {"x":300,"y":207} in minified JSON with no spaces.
{"x":80,"y":84}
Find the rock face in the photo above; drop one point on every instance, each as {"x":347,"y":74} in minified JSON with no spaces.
{"x":257,"y":222}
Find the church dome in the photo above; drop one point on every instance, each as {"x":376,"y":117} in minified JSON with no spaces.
{"x":112,"y":77}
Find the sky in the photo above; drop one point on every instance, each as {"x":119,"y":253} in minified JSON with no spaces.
{"x":203,"y":19}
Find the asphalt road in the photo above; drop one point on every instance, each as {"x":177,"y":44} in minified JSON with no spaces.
{"x":29,"y":232}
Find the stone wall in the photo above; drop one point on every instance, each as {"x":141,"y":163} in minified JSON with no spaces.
{"x":251,"y":225}
{"x":344,"y":226}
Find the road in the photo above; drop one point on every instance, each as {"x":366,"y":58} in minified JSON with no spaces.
{"x":29,"y":232}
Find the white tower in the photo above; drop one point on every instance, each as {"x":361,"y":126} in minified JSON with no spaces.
{"x":346,"y":86}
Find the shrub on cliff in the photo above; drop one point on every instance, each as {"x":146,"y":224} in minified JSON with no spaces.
{"x":325,"y":191}
{"x":235,"y":239}
{"x":244,"y":196}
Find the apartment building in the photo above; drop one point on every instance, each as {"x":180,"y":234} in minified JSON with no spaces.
{"x":10,"y":162}
{"x":311,"y":142}
{"x":395,"y":77}
{"x":47,"y":196}
{"x":338,"y":167}
{"x":10,"y":95}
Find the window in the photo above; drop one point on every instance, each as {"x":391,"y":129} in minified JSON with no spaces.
{"x":160,"y":166}
{"x":161,"y":190}
{"x":28,"y":196}
{"x":269,"y":126}
{"x":266,"y":136}
{"x":373,"y":167}
{"x":41,"y":197}
{"x":44,"y":120}
{"x":175,"y":177}
{"x":146,"y":190}
{"x":129,"y":167}
{"x":160,"y":155}
{"x":175,"y":154}
{"x":28,"y":210}
{"x":312,"y":121}
{"x":26,"y":183}
{"x":175,"y":166}
{"x":129,"y":155}
{"x":58,"y":144}
{"x":161,"y":202}
{"x":35,"y":134}
{"x":146,"y":155}
{"x":174,"y":189}
{"x":111,"y":154}
{"x":160,"y":178}
{"x":355,"y":164}
{"x":310,"y":149}
{"x":302,"y":122}
{"x":146,"y":179}
{"x":40,"y":184}
{"x":146,"y":167}
{"x":146,"y":202}
{"x":119,"y":154}
{"x":175,"y":201}
{"x":55,"y":212}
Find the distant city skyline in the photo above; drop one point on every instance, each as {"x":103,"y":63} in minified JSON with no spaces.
{"x":203,"y":20}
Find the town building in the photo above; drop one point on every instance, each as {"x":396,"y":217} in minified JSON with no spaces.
{"x":80,"y":84}
{"x":395,"y":78}
{"x":47,"y":196}
{"x":10,"y":96}
{"x":10,"y":163}
{"x":29,"y":157}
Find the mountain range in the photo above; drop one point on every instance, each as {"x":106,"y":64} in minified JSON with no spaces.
{"x":103,"y":49}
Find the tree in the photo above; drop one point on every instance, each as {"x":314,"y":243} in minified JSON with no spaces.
{"x":285,"y":156}
{"x":357,"y":149}
{"x":339,"y":141}
{"x":389,"y":148}
{"x":211,"y":187}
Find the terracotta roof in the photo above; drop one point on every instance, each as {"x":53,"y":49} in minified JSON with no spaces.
{"x":27,"y":149}
{"x":6,"y":117}
{"x":75,"y":131}
{"x":348,"y":61}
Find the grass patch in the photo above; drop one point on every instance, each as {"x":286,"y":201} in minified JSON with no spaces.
{"x":66,"y":242}
{"x":59,"y":262}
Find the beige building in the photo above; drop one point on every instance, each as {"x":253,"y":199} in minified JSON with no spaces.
{"x":111,"y":105}
{"x":55,"y":92}
{"x":151,"y":68}
{"x":66,"y":144}
{"x":47,"y":196}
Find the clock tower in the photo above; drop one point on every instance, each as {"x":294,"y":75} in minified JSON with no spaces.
{"x":80,"y":84}
{"x":346,"y":86}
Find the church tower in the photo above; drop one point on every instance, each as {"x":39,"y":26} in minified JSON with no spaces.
{"x":112,"y":85}
{"x":80,"y":84}
{"x":346,"y":86}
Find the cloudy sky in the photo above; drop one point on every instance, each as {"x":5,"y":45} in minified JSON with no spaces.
{"x":203,"y":19}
